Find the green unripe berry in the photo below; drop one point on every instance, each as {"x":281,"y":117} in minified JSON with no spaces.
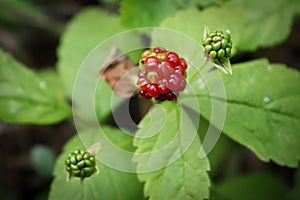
{"x":207,"y":41}
{"x":216,"y":46}
{"x":216,"y":38}
{"x":228,"y":52}
{"x":208,"y":48}
{"x":79,"y":157}
{"x":88,"y":163}
{"x":88,"y":170}
{"x":67,"y":162}
{"x":73,"y":159}
{"x":80,"y":164}
{"x":213,"y":54}
{"x":92,"y":159}
{"x":221,"y":53}
{"x":75,"y":173}
{"x":86,"y":156}
{"x":73,"y":167}
{"x":224,"y":43}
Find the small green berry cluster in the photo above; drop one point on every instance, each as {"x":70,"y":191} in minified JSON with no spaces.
{"x":81,"y":163}
{"x":217,"y":45}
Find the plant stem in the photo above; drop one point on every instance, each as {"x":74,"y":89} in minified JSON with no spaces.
{"x":197,"y":71}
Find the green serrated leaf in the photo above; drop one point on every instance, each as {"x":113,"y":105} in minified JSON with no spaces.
{"x":136,"y":13}
{"x":258,"y":185}
{"x":220,"y":152}
{"x":107,"y":184}
{"x":253,"y":23}
{"x":184,"y":177}
{"x":27,"y":98}
{"x":262,"y":108}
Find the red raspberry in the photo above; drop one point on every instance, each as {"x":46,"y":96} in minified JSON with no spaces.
{"x":162,"y":74}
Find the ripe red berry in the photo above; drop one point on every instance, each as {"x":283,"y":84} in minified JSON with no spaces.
{"x":171,"y":95}
{"x":183,"y":64}
{"x":150,"y":63}
{"x":153,"y":90}
{"x":179,"y":70}
{"x":145,"y":94}
{"x":162,"y":88}
{"x":173,"y":58}
{"x":162,"y":74}
{"x":142,"y":80}
{"x":159,"y":50}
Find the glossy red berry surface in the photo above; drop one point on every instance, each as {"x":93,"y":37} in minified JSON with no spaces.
{"x":162,"y":74}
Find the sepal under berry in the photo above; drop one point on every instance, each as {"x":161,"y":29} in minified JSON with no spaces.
{"x":81,"y":164}
{"x":217,"y":47}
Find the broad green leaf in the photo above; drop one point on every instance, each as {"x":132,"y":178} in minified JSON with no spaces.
{"x":262,"y":108}
{"x":166,"y":144}
{"x":107,"y":184}
{"x":136,"y":14}
{"x":258,"y":185}
{"x":53,"y":81}
{"x":27,"y":98}
{"x":85,"y":31}
{"x":253,"y":23}
{"x":221,"y":150}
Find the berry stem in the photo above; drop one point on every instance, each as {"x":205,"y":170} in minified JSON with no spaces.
{"x":197,"y":71}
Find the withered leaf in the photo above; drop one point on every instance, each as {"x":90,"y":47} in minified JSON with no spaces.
{"x":120,"y":72}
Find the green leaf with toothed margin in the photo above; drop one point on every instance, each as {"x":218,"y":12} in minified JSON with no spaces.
{"x":26,"y":97}
{"x":262,"y":108}
{"x":183,"y":178}
{"x":253,"y":23}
